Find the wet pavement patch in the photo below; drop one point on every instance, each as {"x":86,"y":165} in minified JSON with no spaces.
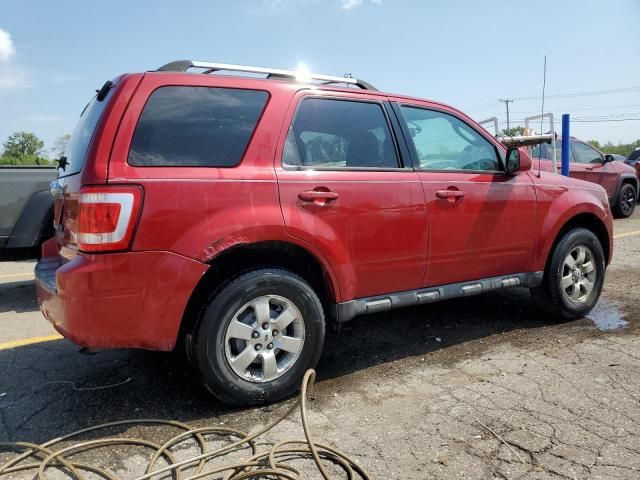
{"x":607,"y":316}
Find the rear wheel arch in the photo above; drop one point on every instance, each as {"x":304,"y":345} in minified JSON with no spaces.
{"x":243,"y":258}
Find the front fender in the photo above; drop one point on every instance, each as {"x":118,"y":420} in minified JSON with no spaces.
{"x":558,"y":205}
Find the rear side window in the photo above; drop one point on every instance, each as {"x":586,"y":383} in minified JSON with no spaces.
{"x":196,"y":127}
{"x":337,"y":134}
{"x":78,"y":145}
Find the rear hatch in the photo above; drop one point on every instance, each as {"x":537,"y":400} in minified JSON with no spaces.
{"x":69,"y":182}
{"x":83,"y":169}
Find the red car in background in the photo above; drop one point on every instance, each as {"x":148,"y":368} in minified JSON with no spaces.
{"x":588,"y":163}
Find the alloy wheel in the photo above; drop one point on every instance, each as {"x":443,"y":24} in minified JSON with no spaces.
{"x":628,"y":201}
{"x":578,"y":274}
{"x":264,"y":338}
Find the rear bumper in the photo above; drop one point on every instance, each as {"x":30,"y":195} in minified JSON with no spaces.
{"x":117,"y":300}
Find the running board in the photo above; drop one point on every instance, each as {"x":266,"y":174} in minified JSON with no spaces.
{"x":380,"y":303}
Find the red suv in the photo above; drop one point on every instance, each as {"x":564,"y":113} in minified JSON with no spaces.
{"x":237,"y":216}
{"x":587,"y":163}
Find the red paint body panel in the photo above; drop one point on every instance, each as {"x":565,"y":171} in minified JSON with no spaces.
{"x":133,"y":299}
{"x":560,"y":199}
{"x":386,"y":231}
{"x":490,"y":231}
{"x":374,"y":234}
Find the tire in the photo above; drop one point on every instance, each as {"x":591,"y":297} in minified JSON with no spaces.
{"x":230,"y":333}
{"x":626,"y":204}
{"x":577,"y":299}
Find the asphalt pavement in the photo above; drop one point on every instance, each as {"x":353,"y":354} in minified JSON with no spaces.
{"x":482,"y":387}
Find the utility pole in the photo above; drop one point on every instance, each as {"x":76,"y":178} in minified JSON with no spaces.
{"x":506,"y":102}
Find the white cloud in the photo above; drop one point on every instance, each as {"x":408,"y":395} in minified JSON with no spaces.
{"x":12,"y":77}
{"x":7,"y":50}
{"x":351,"y":4}
{"x":275,"y":4}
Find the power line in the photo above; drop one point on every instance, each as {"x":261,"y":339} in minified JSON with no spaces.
{"x":585,"y":109}
{"x":584,"y":94}
{"x":585,"y":120}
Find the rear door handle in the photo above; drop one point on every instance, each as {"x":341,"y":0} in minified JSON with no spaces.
{"x":320,"y":197}
{"x":588,"y":168}
{"x":451,"y":195}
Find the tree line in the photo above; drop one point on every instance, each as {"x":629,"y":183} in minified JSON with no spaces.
{"x":25,"y":148}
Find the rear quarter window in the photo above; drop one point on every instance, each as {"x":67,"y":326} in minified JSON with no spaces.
{"x":76,"y":151}
{"x":196,"y":127}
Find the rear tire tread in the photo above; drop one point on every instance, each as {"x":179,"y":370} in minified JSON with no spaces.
{"x":216,"y":376}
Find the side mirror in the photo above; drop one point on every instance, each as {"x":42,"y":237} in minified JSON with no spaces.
{"x":518,"y":160}
{"x":608,"y":157}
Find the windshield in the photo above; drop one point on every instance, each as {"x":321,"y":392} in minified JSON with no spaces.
{"x":81,"y":138}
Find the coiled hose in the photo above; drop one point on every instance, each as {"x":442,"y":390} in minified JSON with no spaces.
{"x":271,"y":463}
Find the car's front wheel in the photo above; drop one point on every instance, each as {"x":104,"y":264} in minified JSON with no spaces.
{"x":626,"y":201}
{"x":575,"y":275}
{"x":257,"y":337}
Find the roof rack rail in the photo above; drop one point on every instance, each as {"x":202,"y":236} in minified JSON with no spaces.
{"x":208,"y":67}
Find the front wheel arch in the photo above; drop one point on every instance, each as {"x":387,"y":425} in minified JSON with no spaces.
{"x":550,"y":294}
{"x":583,"y":220}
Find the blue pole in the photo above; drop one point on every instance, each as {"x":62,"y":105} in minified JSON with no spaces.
{"x":565,"y":144}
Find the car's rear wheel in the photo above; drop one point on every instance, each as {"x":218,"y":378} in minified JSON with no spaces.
{"x":626,"y":201}
{"x":575,"y":275}
{"x":257,"y":337}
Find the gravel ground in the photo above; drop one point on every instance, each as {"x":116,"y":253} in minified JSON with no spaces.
{"x":411,"y":394}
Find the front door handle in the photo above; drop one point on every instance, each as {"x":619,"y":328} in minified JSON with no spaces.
{"x":588,"y":167}
{"x":451,"y":195}
{"x":320,"y":197}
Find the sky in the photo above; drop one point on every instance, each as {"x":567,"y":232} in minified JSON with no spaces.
{"x":469,"y":54}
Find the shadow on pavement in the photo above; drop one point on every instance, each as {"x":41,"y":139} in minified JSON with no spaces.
{"x":33,"y":407}
{"x":18,"y":296}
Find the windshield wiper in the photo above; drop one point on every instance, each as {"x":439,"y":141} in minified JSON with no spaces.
{"x":62,"y":162}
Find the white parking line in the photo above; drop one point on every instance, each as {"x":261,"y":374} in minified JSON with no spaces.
{"x":628,"y":234}
{"x":17,"y":275}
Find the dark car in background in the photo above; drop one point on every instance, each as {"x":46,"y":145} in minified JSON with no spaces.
{"x":633,"y":160}
{"x":26,"y":209}
{"x":619,"y":158}
{"x":588,"y":163}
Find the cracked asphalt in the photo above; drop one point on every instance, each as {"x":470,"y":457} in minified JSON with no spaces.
{"x":485,"y":387}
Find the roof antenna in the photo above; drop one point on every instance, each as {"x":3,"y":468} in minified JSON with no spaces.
{"x":544,"y":84}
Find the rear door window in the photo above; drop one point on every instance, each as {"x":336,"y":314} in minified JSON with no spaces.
{"x":196,"y":127}
{"x":340,"y":134}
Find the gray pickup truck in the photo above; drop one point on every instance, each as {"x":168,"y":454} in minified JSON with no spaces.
{"x":26,"y":207}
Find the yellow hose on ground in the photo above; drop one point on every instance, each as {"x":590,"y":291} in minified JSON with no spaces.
{"x":271,"y":463}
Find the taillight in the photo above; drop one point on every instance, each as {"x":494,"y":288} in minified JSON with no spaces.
{"x":107,"y":217}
